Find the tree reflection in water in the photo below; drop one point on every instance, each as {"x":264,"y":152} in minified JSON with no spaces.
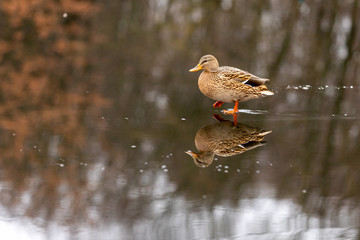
{"x":97,"y":106}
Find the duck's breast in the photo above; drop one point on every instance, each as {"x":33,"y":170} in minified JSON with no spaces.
{"x":210,"y":85}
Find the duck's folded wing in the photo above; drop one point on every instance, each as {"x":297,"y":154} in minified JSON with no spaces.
{"x":244,"y":77}
{"x":256,"y":81}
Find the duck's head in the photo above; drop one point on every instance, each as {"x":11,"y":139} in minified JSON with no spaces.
{"x":208,"y":63}
{"x":203,"y":159}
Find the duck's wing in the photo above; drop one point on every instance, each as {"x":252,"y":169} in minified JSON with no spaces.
{"x":231,"y":73}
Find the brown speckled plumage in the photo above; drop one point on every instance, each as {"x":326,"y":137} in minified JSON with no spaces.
{"x":228,"y":84}
{"x":224,"y":139}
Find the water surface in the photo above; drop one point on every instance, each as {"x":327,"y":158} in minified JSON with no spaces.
{"x":97,"y":109}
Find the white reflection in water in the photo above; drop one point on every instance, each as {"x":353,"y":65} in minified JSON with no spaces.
{"x":20,"y":230}
{"x":255,"y":218}
{"x":262,"y":217}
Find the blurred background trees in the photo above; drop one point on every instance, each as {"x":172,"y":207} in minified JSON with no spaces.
{"x":83,"y":81}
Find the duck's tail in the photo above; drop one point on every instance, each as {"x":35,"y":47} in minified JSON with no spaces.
{"x":264,"y":133}
{"x":267,"y":93}
{"x":264,"y":91}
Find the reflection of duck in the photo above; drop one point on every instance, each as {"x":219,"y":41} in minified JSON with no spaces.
{"x":225,"y":139}
{"x":228,"y":84}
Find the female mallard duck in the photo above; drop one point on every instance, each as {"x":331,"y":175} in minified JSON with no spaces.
{"x":224,"y":139}
{"x":228,"y":84}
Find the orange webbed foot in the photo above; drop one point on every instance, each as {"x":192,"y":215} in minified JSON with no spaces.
{"x":234,"y":111}
{"x":230,"y":112}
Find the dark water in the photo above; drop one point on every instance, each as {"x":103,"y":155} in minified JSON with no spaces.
{"x":97,"y":109}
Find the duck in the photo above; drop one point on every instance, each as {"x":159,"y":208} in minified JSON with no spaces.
{"x":228,"y":84}
{"x":225,"y":140}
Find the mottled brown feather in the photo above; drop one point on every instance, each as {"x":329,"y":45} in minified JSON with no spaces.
{"x":229,"y":84}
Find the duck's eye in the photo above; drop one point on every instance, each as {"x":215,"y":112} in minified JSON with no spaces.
{"x":204,"y":61}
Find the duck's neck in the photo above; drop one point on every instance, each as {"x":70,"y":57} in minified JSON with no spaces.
{"x":211,"y":71}
{"x":213,"y":67}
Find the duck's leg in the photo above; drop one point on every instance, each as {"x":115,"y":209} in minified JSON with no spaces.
{"x":218,"y":118}
{"x":235,"y":119}
{"x":235,"y":115}
{"x":236,"y":107}
{"x":232,"y":112}
{"x":218,"y":104}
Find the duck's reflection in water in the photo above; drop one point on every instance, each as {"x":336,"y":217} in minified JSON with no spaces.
{"x":225,"y":139}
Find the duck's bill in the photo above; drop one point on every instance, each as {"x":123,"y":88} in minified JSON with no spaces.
{"x":197,"y":68}
{"x":189,"y":152}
